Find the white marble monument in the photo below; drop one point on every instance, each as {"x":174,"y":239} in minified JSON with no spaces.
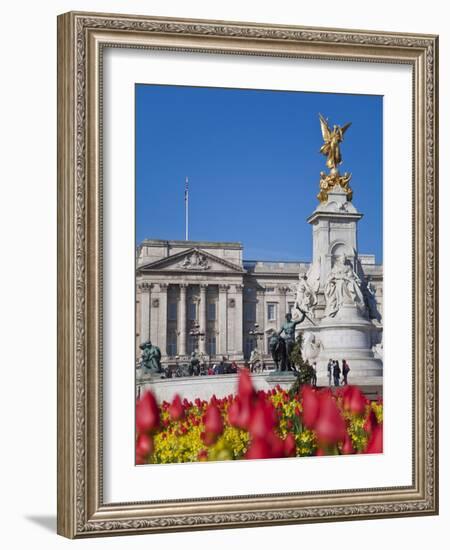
{"x":347,"y":320}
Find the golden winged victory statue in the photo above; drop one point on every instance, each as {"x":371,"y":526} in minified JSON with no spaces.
{"x":331,"y":149}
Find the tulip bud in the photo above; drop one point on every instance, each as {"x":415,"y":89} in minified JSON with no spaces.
{"x":144,"y":447}
{"x":245,"y":386}
{"x":262,"y":419}
{"x":259,"y":448}
{"x":176,"y":409}
{"x":147,"y":413}
{"x":375,"y":444}
{"x":290,"y":446}
{"x":213,"y":420}
{"x":329,"y":426}
{"x":347,"y":448}
{"x":310,"y":406}
{"x":354,"y":400}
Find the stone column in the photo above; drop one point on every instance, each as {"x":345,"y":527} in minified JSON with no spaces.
{"x":282,"y":290}
{"x":202,"y":318}
{"x":222,"y":344}
{"x":238,"y":324}
{"x":162,"y":319}
{"x":145,"y":312}
{"x":261,"y":316}
{"x":182,"y":320}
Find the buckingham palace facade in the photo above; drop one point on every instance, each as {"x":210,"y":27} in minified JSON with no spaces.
{"x":197,"y":295}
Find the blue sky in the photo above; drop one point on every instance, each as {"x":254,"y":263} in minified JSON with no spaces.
{"x":253,"y":162}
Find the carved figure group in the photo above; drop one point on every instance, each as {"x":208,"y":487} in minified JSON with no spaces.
{"x":343,"y":286}
{"x":305,"y":298}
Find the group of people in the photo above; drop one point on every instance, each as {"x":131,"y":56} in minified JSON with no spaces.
{"x":334,"y":372}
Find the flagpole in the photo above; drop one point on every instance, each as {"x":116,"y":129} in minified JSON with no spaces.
{"x":186,"y":207}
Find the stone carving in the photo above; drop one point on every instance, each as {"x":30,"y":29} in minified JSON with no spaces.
{"x":305,"y":298}
{"x":342,"y":287}
{"x":195,"y":261}
{"x":371,"y":301}
{"x":155,"y":302}
{"x":329,"y":181}
{"x":311,"y":346}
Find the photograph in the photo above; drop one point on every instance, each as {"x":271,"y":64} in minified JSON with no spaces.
{"x":259,"y":274}
{"x":247,"y":274}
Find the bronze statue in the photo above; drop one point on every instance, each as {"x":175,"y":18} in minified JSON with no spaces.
{"x":150,"y":357}
{"x":288,"y":328}
{"x":332,"y":139}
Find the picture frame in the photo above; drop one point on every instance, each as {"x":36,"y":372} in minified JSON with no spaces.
{"x":82,"y":41}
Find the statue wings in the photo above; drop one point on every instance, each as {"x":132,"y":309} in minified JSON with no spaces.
{"x":344,"y":128}
{"x":326,"y":132}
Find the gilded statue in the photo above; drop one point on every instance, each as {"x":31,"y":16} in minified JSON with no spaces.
{"x":331,"y":149}
{"x":332,"y":139}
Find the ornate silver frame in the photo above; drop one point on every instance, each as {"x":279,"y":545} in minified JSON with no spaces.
{"x":81,"y":38}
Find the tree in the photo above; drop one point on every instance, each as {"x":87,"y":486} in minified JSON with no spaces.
{"x":304,"y":370}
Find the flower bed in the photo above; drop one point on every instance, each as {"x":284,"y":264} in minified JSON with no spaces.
{"x":252,"y":425}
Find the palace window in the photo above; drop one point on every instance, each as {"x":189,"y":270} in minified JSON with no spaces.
{"x":249,"y":311}
{"x":192,"y":311}
{"x":211,"y":344}
{"x":212,"y":311}
{"x":172,"y":311}
{"x":172,"y":344}
{"x":271,"y":312}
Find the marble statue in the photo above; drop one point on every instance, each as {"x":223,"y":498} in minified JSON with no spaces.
{"x":311,"y":346}
{"x":305,"y":298}
{"x":342,"y":287}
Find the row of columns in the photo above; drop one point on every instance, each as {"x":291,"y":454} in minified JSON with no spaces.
{"x":154,"y":317}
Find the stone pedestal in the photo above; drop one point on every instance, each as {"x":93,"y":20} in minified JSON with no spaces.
{"x":349,"y":333}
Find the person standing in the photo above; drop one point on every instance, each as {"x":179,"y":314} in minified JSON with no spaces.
{"x":336,"y":373}
{"x":330,"y":370}
{"x":345,"y":371}
{"x":314,"y":375}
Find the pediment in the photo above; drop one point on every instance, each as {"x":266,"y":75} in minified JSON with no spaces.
{"x":193,"y":260}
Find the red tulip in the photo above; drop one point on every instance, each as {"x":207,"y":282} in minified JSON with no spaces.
{"x":213,"y":420}
{"x":239,"y":413}
{"x":310,"y":406}
{"x":245,"y":386}
{"x":290,"y":447}
{"x":144,"y":446}
{"x":371,"y":422}
{"x":330,"y":426}
{"x":354,"y":400}
{"x":375,"y":444}
{"x":276,"y":445}
{"x":202,"y":455}
{"x":259,"y":448}
{"x":208,"y":438}
{"x":147,"y":413}
{"x":347,"y":448}
{"x":140,"y":460}
{"x":176,"y":409}
{"x":262,"y":419}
